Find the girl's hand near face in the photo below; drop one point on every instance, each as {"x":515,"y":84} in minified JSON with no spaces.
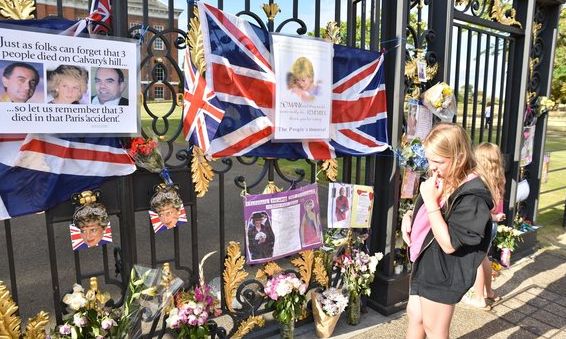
{"x":431,"y":190}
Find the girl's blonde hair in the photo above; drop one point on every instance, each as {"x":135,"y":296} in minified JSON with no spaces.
{"x":491,"y":170}
{"x":451,"y":141}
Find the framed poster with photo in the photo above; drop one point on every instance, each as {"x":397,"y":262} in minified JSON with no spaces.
{"x":55,"y":83}
{"x":279,"y":224}
{"x":349,"y":206}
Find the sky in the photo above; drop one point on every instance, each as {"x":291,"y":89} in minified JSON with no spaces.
{"x":306,"y":13}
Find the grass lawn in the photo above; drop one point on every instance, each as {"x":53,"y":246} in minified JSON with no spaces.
{"x":553,"y":192}
{"x":167,"y":125}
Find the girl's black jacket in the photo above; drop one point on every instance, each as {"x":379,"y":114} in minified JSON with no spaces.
{"x":445,"y":278}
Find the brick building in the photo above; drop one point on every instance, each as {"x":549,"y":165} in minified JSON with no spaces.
{"x":158,"y":63}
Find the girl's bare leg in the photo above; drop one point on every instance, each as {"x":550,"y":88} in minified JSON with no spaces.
{"x":486,"y":267}
{"x":415,"y":317}
{"x":436,"y":318}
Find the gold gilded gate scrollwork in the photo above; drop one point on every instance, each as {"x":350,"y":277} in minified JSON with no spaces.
{"x":17,"y":9}
{"x":202,"y":173}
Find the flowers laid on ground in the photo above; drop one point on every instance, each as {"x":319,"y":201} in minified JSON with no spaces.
{"x":287,"y":295}
{"x":192,"y":310}
{"x":507,"y":237}
{"x":411,"y":155}
{"x":326,"y":308}
{"x":89,"y":317}
{"x":358,"y":270}
{"x":333,"y":301}
{"x":146,"y":154}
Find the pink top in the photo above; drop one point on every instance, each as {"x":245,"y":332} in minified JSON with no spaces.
{"x":499,"y":207}
{"x":420,"y":228}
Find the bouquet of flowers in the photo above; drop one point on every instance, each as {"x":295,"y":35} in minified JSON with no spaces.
{"x":507,"y":237}
{"x":327,"y":307}
{"x":440,"y":100}
{"x":412,"y":156}
{"x":358,"y":270}
{"x":333,"y":301}
{"x":287,"y":295}
{"x":146,"y":154}
{"x":89,"y":317}
{"x":189,"y":317}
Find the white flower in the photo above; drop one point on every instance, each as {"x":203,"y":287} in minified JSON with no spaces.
{"x":302,"y":288}
{"x":75,"y":300}
{"x":173,"y":320}
{"x":198,"y":308}
{"x":108,"y":323}
{"x":283,"y":288}
{"x":79,"y":320}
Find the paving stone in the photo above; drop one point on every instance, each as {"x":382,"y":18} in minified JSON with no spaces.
{"x":561,"y":301}
{"x":514,"y":317}
{"x":560,"y":335}
{"x":556,"y":309}
{"x":513,"y":303}
{"x":538,"y":302}
{"x":549,"y":318}
{"x":536,"y":327}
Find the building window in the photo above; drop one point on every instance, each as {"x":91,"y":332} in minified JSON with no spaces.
{"x":134,"y":32}
{"x":159,"y":72}
{"x":158,"y":92}
{"x":158,"y":43}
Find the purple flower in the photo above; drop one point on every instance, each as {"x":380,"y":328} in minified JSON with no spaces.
{"x":65,"y":329}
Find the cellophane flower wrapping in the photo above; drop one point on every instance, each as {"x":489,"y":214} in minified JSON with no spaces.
{"x":507,"y":237}
{"x":440,"y":100}
{"x":327,"y":306}
{"x":286,"y":294}
{"x":411,"y":155}
{"x":89,"y":317}
{"x":145,"y":153}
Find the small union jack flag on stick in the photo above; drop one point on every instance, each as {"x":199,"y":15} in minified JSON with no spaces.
{"x":202,"y":111}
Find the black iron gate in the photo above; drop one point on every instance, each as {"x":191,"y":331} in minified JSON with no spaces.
{"x":471,"y":50}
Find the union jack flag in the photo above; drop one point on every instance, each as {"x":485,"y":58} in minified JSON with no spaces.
{"x":40,"y":171}
{"x":201,"y":113}
{"x":239,"y":71}
{"x":100,"y":12}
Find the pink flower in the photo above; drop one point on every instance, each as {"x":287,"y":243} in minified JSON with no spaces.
{"x":65,"y":329}
{"x":192,"y":320}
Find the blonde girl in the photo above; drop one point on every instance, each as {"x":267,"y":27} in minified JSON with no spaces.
{"x":447,"y":233}
{"x":491,"y":170}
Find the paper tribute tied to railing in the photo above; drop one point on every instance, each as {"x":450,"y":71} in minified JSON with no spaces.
{"x":279,"y":224}
{"x":303,"y":88}
{"x":245,"y":69}
{"x":55,"y":83}
{"x":349,"y":206}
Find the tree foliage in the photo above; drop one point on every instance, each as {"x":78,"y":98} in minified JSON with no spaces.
{"x":558,"y":88}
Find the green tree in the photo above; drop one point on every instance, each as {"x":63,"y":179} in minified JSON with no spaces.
{"x":558,"y":87}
